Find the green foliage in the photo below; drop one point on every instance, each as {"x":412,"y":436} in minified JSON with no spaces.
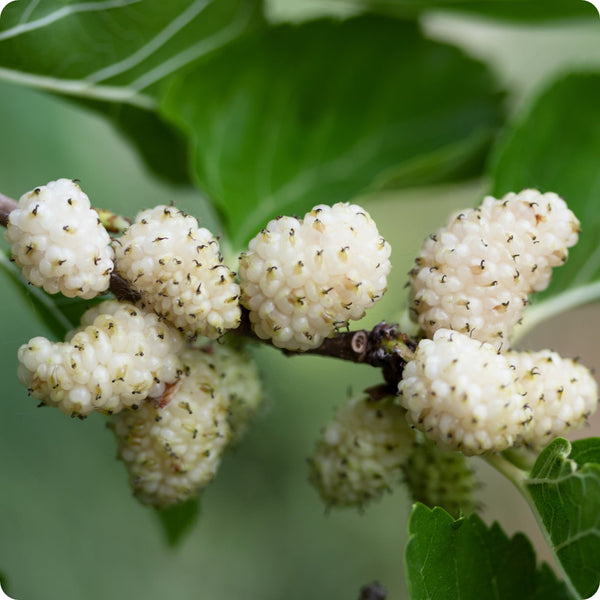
{"x":298,"y":115}
{"x":57,"y":313}
{"x":178,"y":520}
{"x":556,"y":147}
{"x":115,"y":55}
{"x":464,"y":559}
{"x":517,"y":10}
{"x":565,"y":487}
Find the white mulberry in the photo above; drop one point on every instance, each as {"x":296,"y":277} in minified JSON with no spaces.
{"x":178,"y":270}
{"x":461,"y":393}
{"x":119,"y":356}
{"x":58,"y":241}
{"x":561,"y":393}
{"x":239,"y":381}
{"x":475,"y":274}
{"x":303,"y":279}
{"x":172,"y":446}
{"x":360,"y":454}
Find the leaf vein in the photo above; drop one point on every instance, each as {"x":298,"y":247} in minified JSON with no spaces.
{"x":26,"y":27}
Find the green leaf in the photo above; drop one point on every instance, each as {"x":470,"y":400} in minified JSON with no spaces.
{"x":178,"y":520}
{"x":119,"y":53}
{"x":555,"y":147}
{"x":518,"y":10}
{"x":3,"y":583}
{"x":565,"y":487}
{"x":467,"y":560}
{"x":317,"y":113}
{"x":58,"y":313}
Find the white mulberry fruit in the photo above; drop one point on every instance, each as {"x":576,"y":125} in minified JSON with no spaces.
{"x":561,"y":393}
{"x":239,"y":380}
{"x":172,"y":446}
{"x":461,"y":393}
{"x":437,"y":477}
{"x":360,"y":454}
{"x":303,"y":279}
{"x":58,"y":241}
{"x":476,"y":273}
{"x":119,"y":356}
{"x":177,"y":268}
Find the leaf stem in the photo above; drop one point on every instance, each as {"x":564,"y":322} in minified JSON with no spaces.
{"x":519,"y":479}
{"x":515,"y":475}
{"x":537,"y":313}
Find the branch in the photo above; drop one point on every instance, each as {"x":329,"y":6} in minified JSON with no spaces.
{"x":7,"y":205}
{"x":384,"y":347}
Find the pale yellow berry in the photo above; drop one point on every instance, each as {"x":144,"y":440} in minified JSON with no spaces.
{"x":172,"y":446}
{"x":302,"y":280}
{"x":58,"y":241}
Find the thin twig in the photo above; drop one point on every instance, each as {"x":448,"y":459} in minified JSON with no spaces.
{"x":7,"y":205}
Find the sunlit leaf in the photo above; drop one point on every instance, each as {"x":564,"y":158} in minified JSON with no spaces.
{"x":565,"y":487}
{"x":300,"y":115}
{"x":117,"y":54}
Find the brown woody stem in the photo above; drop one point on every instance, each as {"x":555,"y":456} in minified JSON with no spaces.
{"x":384,"y":347}
{"x":7,"y":205}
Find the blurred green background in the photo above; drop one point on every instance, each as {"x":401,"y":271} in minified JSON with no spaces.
{"x":69,"y":527}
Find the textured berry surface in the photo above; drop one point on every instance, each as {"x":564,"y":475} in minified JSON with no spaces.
{"x":437,"y":477}
{"x":58,"y":241}
{"x":302,"y":279}
{"x":119,"y":356}
{"x":172,"y":452}
{"x":360,"y":454}
{"x":561,"y":393}
{"x":239,"y":381}
{"x":475,"y":274}
{"x":461,"y":393}
{"x":179,"y":271}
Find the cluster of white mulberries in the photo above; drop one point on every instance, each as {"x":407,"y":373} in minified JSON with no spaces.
{"x":302,"y":279}
{"x":439,"y":478}
{"x":119,"y":356}
{"x":178,"y":270}
{"x":461,"y":393}
{"x":172,"y":446}
{"x":465,"y":389}
{"x":58,"y":241}
{"x":475,"y":274}
{"x":562,"y":394}
{"x":360,"y":454}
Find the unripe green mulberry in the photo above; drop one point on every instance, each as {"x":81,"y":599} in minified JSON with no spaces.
{"x":58,"y":241}
{"x":172,"y":446}
{"x":360,"y":454}
{"x":475,"y":274}
{"x":119,"y":356}
{"x":177,"y":268}
{"x":303,"y":279}
{"x":561,"y":393}
{"x":461,"y":393}
{"x":437,"y":477}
